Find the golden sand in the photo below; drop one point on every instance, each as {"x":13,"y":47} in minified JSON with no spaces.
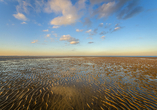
{"x":78,"y":83}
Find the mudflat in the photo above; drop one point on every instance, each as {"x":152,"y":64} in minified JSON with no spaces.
{"x":78,"y":83}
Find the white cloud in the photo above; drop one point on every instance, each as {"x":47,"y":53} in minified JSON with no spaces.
{"x":89,"y":31}
{"x":23,"y":6}
{"x":23,"y":23}
{"x":48,"y":35}
{"x":79,"y":30}
{"x":74,"y":42}
{"x":55,"y":27}
{"x":20,"y":16}
{"x":66,"y":37}
{"x":45,"y":30}
{"x":69,"y":12}
{"x":64,"y":20}
{"x":70,"y":39}
{"x":35,"y":41}
{"x":103,"y":37}
{"x":116,"y":28}
{"x":106,"y":9}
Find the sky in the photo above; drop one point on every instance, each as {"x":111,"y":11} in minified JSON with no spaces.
{"x":78,"y":27}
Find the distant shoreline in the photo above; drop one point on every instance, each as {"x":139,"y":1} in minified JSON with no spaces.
{"x":37,"y":57}
{"x":72,"y":56}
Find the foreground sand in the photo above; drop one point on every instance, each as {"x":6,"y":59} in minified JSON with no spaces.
{"x":79,"y":83}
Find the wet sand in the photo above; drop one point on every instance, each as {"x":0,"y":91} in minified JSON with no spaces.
{"x":78,"y":83}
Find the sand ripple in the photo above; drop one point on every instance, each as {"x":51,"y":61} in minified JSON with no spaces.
{"x":78,"y":83}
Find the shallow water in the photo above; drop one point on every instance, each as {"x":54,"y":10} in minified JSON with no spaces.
{"x":79,"y":83}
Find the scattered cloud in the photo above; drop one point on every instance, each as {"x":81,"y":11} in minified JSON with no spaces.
{"x":125,"y":8}
{"x":90,"y":42}
{"x":70,"y":13}
{"x":101,"y":24}
{"x":79,"y":30}
{"x":106,"y":9}
{"x":23,"y":23}
{"x":55,"y":34}
{"x":116,"y":28}
{"x":102,"y":33}
{"x":74,"y":42}
{"x":48,"y":35}
{"x":45,"y":30}
{"x":87,"y":22}
{"x":64,"y":20}
{"x":55,"y":26}
{"x":107,"y":25}
{"x":20,"y":16}
{"x":103,"y":37}
{"x":94,"y":32}
{"x":52,"y":39}
{"x":89,"y":31}
{"x":38,"y":5}
{"x":89,"y":38}
{"x":133,"y":12}
{"x":66,"y":37}
{"x":36,"y":23}
{"x":24,"y":6}
{"x":70,"y":39}
{"x":93,"y":2}
{"x":80,"y":5}
{"x":130,"y":10}
{"x":35,"y":41}
{"x":153,"y":9}
{"x":116,"y":25}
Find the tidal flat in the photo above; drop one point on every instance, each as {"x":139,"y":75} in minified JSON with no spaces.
{"x":78,"y":83}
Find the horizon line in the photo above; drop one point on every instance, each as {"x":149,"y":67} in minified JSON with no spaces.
{"x":78,"y":56}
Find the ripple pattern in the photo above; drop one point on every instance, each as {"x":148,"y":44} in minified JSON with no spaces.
{"x":78,"y":83}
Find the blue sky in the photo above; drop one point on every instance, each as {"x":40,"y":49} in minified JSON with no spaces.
{"x":78,"y":27}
